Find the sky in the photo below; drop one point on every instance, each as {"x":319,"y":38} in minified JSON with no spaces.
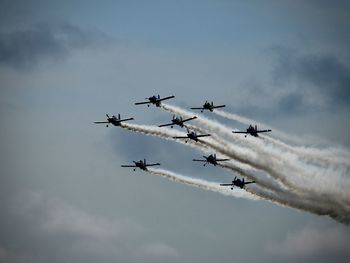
{"x":65,"y":64}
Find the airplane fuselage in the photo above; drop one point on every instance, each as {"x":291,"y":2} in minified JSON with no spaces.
{"x":114,"y":121}
{"x":211,"y":159}
{"x":208,"y":106}
{"x":154,"y":100}
{"x":178,"y":122}
{"x":252,"y":131}
{"x":141,"y":165}
{"x":192,"y":136}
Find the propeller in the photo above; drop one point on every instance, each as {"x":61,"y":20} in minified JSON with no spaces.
{"x":107,"y":115}
{"x":118,"y":116}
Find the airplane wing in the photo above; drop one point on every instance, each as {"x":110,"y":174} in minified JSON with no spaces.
{"x":168,"y":124}
{"x":144,"y":102}
{"x":98,"y":122}
{"x":126,"y":119}
{"x":222,"y":160}
{"x":195,"y":160}
{"x":263,"y":131}
{"x":252,"y":182}
{"x":189,"y":119}
{"x":166,"y":98}
{"x":128,"y":166}
{"x":198,"y":108}
{"x":203,"y":135}
{"x":152,"y":164}
{"x":239,"y":132}
{"x":226,"y":184}
{"x":219,"y":106}
{"x":181,"y":137}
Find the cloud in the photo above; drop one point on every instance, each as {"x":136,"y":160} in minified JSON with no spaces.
{"x":45,"y":229}
{"x":159,"y":250}
{"x":310,"y":242}
{"x":26,"y":47}
{"x":53,"y":215}
{"x":320,"y":80}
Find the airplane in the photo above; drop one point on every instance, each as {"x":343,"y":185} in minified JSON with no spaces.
{"x":211,"y":159}
{"x":154,"y":100}
{"x":208,"y":106}
{"x":191,"y":135}
{"x":238,"y":182}
{"x":177,"y":121}
{"x":113,"y":120}
{"x":253,"y":131}
{"x":142,"y":164}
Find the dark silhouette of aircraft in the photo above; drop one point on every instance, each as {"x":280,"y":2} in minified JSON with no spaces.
{"x":253,"y":131}
{"x":208,"y":106}
{"x":113,"y":120}
{"x":142,"y":164}
{"x":211,"y":159}
{"x":238,"y":182}
{"x":192,"y":135}
{"x":154,"y":100}
{"x":177,"y":121}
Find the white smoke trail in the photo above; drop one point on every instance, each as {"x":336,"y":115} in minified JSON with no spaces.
{"x":329,"y":156}
{"x":321,"y":203}
{"x":165,"y":133}
{"x":278,"y":164}
{"x":200,"y":183}
{"x":321,"y":157}
{"x":285,"y":199}
{"x":247,"y":121}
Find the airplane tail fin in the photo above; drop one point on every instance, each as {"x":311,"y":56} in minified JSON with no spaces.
{"x":118,"y":116}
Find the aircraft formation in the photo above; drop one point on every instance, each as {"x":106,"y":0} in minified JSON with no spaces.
{"x":191,"y":135}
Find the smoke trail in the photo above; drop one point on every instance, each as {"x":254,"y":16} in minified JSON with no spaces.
{"x":319,"y":203}
{"x":282,"y":169}
{"x":247,"y":121}
{"x":164,"y":133}
{"x":278,"y":164}
{"x":320,"y":157}
{"x":255,"y":193}
{"x":327,"y":155}
{"x":200,"y":183}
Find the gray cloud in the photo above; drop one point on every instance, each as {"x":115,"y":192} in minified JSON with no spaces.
{"x":48,"y":229}
{"x":320,"y":79}
{"x":310,"y":243}
{"x":26,"y":47}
